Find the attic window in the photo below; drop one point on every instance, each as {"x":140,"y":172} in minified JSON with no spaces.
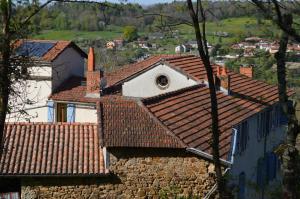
{"x":162,"y":81}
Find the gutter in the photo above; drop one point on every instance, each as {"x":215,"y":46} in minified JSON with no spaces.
{"x":224,"y":162}
{"x":234,"y":145}
{"x":208,"y":156}
{"x":78,"y":103}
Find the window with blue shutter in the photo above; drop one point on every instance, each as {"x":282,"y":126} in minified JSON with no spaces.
{"x":272,"y":166}
{"x":71,"y":113}
{"x":244,"y":135}
{"x":238,"y":139}
{"x":50,"y":106}
{"x":261,"y":175}
{"x":242,"y":186}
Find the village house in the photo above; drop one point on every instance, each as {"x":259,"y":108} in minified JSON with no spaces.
{"x":150,"y":134}
{"x":182,"y":48}
{"x":111,"y":45}
{"x":53,"y":62}
{"x":115,"y":44}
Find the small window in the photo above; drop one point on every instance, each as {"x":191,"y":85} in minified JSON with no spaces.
{"x":162,"y":81}
{"x":61,"y":112}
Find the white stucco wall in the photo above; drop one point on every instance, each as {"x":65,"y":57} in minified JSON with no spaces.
{"x":85,"y":114}
{"x":144,"y":85}
{"x":32,"y":99}
{"x":68,"y":63}
{"x":45,"y":71}
{"x":247,"y":160}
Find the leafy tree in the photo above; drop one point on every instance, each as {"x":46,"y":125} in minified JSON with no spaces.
{"x":130,"y":33}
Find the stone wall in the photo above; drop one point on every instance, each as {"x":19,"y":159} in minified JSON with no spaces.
{"x":161,"y":173}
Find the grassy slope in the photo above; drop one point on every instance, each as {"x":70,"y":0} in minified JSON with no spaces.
{"x":236,"y":27}
{"x":71,"y":35}
{"x":112,"y":32}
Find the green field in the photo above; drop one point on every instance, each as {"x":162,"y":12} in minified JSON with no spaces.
{"x":238,"y":28}
{"x":75,"y":35}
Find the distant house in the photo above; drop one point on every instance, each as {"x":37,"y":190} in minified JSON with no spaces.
{"x":264,"y":45}
{"x":111,"y":45}
{"x":180,"y":49}
{"x":116,"y":43}
{"x":119,"y":42}
{"x":253,"y":39}
{"x":144,"y":44}
{"x":193,"y":44}
{"x":146,"y":130}
{"x":183,"y":48}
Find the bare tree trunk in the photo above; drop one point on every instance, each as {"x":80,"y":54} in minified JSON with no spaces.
{"x":4,"y":65}
{"x":290,"y":155}
{"x":202,"y":48}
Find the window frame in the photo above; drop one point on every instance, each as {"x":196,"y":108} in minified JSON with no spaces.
{"x":60,"y":116}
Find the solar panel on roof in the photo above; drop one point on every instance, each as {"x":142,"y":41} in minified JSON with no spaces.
{"x":34,"y":49}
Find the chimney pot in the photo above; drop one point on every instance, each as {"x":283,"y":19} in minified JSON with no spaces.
{"x":93,"y":77}
{"x":224,"y":71}
{"x":91,"y":60}
{"x":218,"y":70}
{"x":247,"y":71}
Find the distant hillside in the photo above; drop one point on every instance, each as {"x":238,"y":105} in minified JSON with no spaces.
{"x":94,"y":17}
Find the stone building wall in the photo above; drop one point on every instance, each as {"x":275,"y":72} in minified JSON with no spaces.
{"x":133,"y":175}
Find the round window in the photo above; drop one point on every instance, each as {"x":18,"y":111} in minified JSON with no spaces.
{"x":162,"y":81}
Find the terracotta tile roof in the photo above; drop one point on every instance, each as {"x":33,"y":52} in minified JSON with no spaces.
{"x":72,"y":90}
{"x":186,"y":113}
{"x":127,"y":123}
{"x":56,"y":50}
{"x":131,"y":69}
{"x":193,"y":66}
{"x":241,"y":85}
{"x":32,"y":149}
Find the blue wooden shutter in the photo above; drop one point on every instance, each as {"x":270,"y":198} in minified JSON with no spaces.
{"x":71,"y":113}
{"x":242,"y":185}
{"x":50,"y":105}
{"x":238,"y":139}
{"x":272,"y":166}
{"x":259,"y":174}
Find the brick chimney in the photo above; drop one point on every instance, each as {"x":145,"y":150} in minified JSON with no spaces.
{"x":246,"y":70}
{"x":93,"y":77}
{"x":222,"y":79}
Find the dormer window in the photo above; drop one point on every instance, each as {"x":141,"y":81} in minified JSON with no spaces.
{"x":162,"y":81}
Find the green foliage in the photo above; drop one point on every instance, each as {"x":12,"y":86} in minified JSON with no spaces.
{"x":262,"y":62}
{"x":130,"y":33}
{"x":76,"y":35}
